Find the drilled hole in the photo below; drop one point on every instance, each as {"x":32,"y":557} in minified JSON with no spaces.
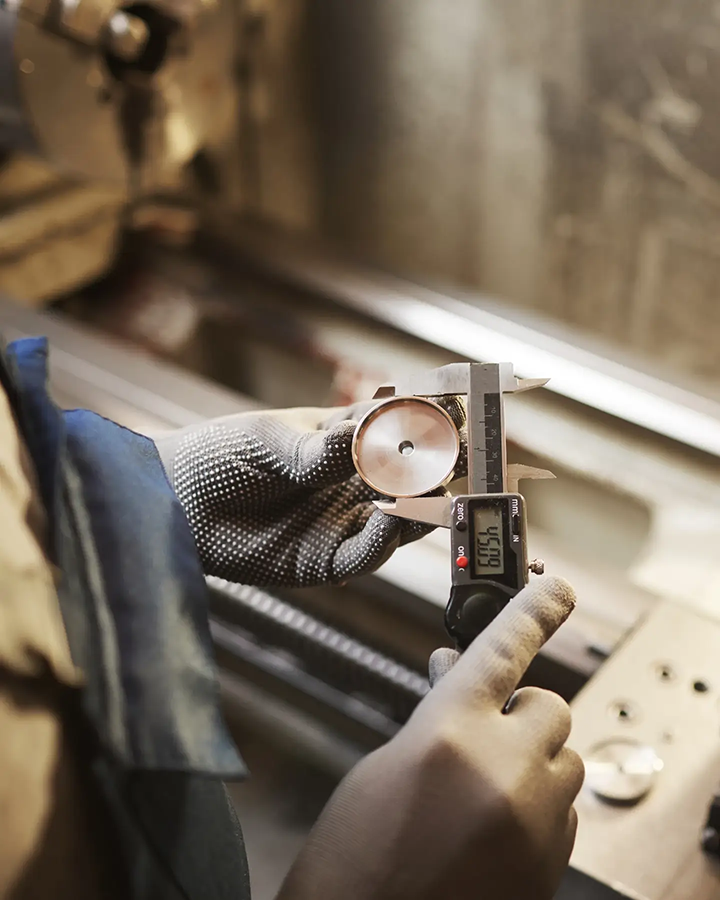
{"x":407,"y":448}
{"x":665,"y":672}
{"x":622,"y":711}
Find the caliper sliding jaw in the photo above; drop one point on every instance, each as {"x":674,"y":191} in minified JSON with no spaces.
{"x":488,"y":525}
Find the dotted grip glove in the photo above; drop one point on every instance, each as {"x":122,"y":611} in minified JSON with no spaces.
{"x":273,"y":498}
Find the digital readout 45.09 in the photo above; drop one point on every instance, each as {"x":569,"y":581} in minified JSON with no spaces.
{"x":489,"y":549}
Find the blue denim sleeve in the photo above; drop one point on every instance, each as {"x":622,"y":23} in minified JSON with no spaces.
{"x":132,"y":591}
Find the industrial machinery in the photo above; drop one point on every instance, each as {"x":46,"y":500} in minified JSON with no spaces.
{"x":562,"y":160}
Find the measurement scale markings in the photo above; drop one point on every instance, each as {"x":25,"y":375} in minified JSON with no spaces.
{"x":493,"y":443}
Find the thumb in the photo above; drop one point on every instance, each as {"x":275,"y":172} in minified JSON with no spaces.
{"x":324,"y":458}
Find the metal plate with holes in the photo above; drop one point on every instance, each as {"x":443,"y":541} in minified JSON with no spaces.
{"x":648,"y":726}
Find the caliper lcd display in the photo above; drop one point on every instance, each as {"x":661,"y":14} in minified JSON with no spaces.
{"x":489,"y":555}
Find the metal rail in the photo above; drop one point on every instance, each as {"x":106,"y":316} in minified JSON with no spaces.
{"x":117,"y":380}
{"x":487,"y":331}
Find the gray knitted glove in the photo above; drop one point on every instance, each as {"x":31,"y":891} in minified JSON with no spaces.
{"x":473,"y":798}
{"x":273,"y":498}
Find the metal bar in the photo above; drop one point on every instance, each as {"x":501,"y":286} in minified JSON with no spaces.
{"x":240,"y":645}
{"x":296,"y":630}
{"x":486,"y":331}
{"x":487,"y":454}
{"x":477,"y":468}
{"x":100,"y":373}
{"x":287,"y":726}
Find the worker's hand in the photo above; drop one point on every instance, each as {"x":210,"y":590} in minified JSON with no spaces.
{"x":273,"y":497}
{"x":473,"y":798}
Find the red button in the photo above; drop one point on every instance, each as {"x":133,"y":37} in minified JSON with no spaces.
{"x":462,"y":561}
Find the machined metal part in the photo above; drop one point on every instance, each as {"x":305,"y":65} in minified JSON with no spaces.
{"x":115,"y":94}
{"x":621,"y":770}
{"x":430,"y":510}
{"x":517,"y":472}
{"x":656,"y":699}
{"x":405,"y":447}
{"x":455,"y":378}
{"x":487,"y":446}
{"x":483,"y":385}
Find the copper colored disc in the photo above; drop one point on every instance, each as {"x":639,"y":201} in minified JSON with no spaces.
{"x":406,"y":447}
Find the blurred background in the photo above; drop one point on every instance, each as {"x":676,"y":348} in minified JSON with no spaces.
{"x":215,"y":205}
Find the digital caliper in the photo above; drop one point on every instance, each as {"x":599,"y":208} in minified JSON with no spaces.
{"x":407,"y":446}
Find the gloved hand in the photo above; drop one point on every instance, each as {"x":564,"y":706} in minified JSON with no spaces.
{"x":273,"y":498}
{"x":472,"y":799}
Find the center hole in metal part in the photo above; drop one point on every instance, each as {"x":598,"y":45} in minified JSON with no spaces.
{"x":407,"y":448}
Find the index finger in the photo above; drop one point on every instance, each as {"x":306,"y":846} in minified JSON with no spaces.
{"x":492,"y":666}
